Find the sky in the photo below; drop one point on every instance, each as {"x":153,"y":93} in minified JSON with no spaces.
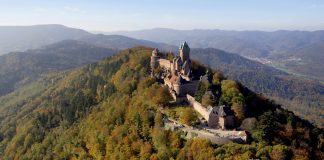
{"x":117,"y":15}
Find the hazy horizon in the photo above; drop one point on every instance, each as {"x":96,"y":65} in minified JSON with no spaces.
{"x":109,"y":16}
{"x":116,"y":31}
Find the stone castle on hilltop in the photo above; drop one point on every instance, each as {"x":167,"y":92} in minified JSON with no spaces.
{"x":177,"y":75}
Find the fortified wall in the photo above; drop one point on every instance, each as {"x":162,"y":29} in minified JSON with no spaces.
{"x":209,"y":113}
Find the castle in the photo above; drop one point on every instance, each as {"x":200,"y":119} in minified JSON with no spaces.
{"x":177,"y":75}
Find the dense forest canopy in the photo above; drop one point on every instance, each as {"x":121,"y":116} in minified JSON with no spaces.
{"x":109,"y":110}
{"x":304,"y":97}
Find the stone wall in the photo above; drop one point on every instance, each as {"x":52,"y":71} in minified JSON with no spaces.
{"x":213,"y":120}
{"x":165,"y":63}
{"x":198,"y":107}
{"x":226,"y":122}
{"x":208,"y":113}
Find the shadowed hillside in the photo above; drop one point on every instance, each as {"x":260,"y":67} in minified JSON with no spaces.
{"x":304,"y":97}
{"x":24,"y":67}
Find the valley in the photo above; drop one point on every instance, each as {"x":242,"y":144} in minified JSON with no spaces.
{"x":278,"y":47}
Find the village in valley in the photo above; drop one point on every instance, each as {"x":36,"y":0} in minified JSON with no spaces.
{"x":214,"y":121}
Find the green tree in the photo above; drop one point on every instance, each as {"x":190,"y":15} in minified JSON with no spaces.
{"x":197,"y":149}
{"x":162,"y":96}
{"x":266,"y":128}
{"x":239,"y":111}
{"x":231,"y":93}
{"x":188,"y":116}
{"x":158,"y":120}
{"x":280,"y":152}
{"x":202,"y":88}
{"x":217,"y":78}
{"x":208,"y":99}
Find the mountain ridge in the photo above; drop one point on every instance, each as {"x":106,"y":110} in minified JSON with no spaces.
{"x":109,"y":109}
{"x":21,"y":38}
{"x":273,"y":83}
{"x":277,"y":47}
{"x":24,"y":67}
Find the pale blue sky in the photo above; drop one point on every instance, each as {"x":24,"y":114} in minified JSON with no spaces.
{"x":109,"y":15}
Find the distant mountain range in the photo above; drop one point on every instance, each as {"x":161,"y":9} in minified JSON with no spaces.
{"x":19,"y":68}
{"x":21,"y":38}
{"x":297,"y":52}
{"x":118,"y":42}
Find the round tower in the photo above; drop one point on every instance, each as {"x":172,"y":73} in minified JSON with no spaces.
{"x":154,"y":58}
{"x":177,"y":85}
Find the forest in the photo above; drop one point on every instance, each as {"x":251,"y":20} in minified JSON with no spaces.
{"x":304,"y":97}
{"x":109,"y":110}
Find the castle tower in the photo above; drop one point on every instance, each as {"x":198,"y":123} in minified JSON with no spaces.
{"x":184,"y":52}
{"x":177,"y":85}
{"x":154,"y":58}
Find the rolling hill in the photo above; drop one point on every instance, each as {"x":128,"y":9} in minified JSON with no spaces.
{"x":304,"y":97}
{"x":18,"y":68}
{"x":109,"y":110}
{"x":286,"y":50}
{"x":21,"y":38}
{"x":307,"y":60}
{"x":296,"y":52}
{"x":119,"y":42}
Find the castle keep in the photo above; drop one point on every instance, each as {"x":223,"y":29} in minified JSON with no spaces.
{"x":177,"y":75}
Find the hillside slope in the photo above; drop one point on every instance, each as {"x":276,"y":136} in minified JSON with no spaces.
{"x":19,"y":67}
{"x":307,"y":60}
{"x":275,"y":47}
{"x":24,"y":67}
{"x":21,"y":38}
{"x":109,"y":109}
{"x":119,"y":42}
{"x":304,"y":97}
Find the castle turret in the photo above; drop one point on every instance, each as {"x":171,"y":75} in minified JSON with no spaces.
{"x":154,"y":58}
{"x":177,"y":85}
{"x":176,"y":64}
{"x":184,"y":52}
